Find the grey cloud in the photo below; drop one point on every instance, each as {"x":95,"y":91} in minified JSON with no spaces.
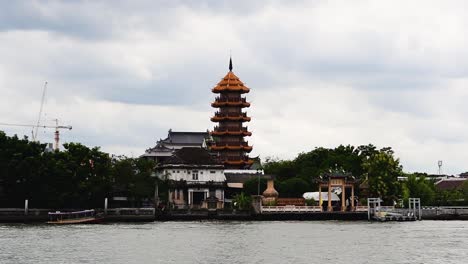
{"x":321,"y":72}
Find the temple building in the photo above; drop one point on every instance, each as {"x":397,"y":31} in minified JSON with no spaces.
{"x":196,"y":180}
{"x":176,"y":140}
{"x":229,"y":145}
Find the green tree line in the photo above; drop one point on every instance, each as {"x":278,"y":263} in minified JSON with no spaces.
{"x":81,"y":177}
{"x":77,"y":177}
{"x":377,"y":169}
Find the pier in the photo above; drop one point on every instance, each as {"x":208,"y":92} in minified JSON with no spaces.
{"x":377,"y":212}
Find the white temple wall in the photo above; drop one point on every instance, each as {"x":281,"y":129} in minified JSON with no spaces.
{"x":202,"y":175}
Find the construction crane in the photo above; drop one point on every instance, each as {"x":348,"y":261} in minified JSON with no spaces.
{"x":34,"y":133}
{"x":56,"y":133}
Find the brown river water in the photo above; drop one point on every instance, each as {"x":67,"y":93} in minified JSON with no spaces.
{"x":237,"y":242}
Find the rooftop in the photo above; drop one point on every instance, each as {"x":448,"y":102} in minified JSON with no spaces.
{"x":450,"y":183}
{"x":191,"y":156}
{"x":195,"y":138}
{"x":242,"y":178}
{"x":230,"y":82}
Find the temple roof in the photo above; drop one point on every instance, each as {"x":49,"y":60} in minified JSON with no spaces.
{"x":192,"y":156}
{"x":232,"y":83}
{"x":177,"y":140}
{"x":242,"y":178}
{"x":195,"y":138}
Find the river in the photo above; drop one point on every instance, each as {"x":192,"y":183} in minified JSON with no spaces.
{"x":237,"y":242}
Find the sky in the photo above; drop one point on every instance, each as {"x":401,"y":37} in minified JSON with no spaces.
{"x":321,"y":73}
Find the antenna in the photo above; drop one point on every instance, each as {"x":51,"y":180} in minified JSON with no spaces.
{"x":34,"y":135}
{"x":439,"y":163}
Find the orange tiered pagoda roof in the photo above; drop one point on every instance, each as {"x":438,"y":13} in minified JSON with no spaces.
{"x":229,"y":143}
{"x":230,"y":83}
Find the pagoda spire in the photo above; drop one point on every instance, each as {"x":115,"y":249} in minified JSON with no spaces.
{"x":230,"y":63}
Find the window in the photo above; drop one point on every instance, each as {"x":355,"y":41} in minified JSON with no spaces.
{"x":173,"y":195}
{"x":173,"y":171}
{"x":201,"y":172}
{"x":194,"y":175}
{"x":212,"y":172}
{"x":177,"y":171}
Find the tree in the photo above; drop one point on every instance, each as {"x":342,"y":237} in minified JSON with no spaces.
{"x":383,"y":170}
{"x":133,"y":178}
{"x":294,"y":187}
{"x":283,"y":169}
{"x":77,"y":177}
{"x":242,"y":201}
{"x":465,"y":192}
{"x":251,"y":186}
{"x":418,"y":186}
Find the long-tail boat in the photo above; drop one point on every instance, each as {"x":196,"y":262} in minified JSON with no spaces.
{"x":79,"y":217}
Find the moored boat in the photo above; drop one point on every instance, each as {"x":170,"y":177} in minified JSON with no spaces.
{"x":78,"y":217}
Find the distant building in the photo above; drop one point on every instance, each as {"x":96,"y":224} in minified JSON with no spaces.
{"x":194,"y":178}
{"x":450,"y":184}
{"x":176,"y":140}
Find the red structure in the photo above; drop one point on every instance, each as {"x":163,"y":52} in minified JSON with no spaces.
{"x":229,"y":144}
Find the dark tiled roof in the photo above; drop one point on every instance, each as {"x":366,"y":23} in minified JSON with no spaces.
{"x":195,"y":138}
{"x":450,"y":184}
{"x":194,"y":156}
{"x":242,"y":178}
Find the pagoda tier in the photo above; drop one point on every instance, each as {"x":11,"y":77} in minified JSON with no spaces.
{"x":229,"y":144}
{"x":232,"y":146}
{"x":219,"y":102}
{"x":230,"y":116}
{"x":234,"y":131}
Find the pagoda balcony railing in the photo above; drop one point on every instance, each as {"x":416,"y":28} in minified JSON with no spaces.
{"x":227,"y":129}
{"x":243,"y":158}
{"x":234,"y":100}
{"x":234,"y":144}
{"x":218,"y":114}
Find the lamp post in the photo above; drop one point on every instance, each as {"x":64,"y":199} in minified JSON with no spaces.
{"x":258,"y":181}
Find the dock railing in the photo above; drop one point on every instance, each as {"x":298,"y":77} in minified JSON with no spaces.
{"x":382,"y":213}
{"x":290,"y":209}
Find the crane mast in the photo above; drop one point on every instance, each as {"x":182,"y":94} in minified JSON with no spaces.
{"x":38,"y":124}
{"x":34,"y":135}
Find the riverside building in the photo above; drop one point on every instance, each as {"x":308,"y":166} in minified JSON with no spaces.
{"x":194,"y":178}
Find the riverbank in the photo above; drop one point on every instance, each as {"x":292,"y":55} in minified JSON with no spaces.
{"x":19,"y":215}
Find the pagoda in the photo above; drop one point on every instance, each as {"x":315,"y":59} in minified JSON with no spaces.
{"x":229,"y":144}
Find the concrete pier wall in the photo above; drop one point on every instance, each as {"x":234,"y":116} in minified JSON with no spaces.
{"x":445,"y":213}
{"x":19,"y":215}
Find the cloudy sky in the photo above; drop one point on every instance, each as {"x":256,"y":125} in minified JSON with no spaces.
{"x":321,"y":73}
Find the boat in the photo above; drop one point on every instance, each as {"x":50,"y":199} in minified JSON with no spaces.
{"x":78,"y":217}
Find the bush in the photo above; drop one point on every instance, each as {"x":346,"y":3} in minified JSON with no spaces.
{"x":242,"y":201}
{"x":293,"y":188}
{"x":310,"y":202}
{"x":251,"y":186}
